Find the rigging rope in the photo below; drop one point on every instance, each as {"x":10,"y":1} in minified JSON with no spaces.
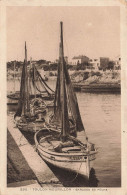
{"x":43,"y":80}
{"x":38,"y":88}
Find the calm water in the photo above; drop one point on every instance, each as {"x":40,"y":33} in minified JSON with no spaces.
{"x":101,"y":117}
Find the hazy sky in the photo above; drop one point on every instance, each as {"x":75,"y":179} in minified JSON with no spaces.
{"x":91,"y":31}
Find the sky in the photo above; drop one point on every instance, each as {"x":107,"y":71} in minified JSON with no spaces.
{"x":91,"y":31}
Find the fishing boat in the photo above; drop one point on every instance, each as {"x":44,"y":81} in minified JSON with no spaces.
{"x":14,"y":95}
{"x":30,"y":114}
{"x":58,"y":142}
{"x":43,"y":91}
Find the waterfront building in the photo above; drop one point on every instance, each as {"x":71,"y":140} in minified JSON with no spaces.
{"x":79,"y":59}
{"x":65,"y":58}
{"x":104,"y":61}
{"x":117,"y":62}
{"x":95,"y":62}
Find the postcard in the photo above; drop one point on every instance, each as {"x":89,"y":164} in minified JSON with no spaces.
{"x":63,"y":97}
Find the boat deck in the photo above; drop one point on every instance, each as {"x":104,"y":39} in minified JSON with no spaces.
{"x":55,"y":145}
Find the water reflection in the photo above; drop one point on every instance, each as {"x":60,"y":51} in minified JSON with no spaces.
{"x":93,"y":180}
{"x":70,"y":179}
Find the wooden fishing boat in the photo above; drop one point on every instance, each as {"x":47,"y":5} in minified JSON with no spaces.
{"x":14,"y":95}
{"x":43,"y":91}
{"x":30,"y":115}
{"x":58,"y":142}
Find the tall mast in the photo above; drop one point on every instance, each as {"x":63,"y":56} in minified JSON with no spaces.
{"x":25,"y":53}
{"x":30,"y":90}
{"x":14,"y":74}
{"x":27,"y":106}
{"x":65,"y":103}
{"x":34,"y":81}
{"x":64,"y":113}
{"x":23,"y":104}
{"x":63,"y":83}
{"x":61,"y":42}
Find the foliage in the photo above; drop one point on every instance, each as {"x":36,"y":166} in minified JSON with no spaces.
{"x":111,"y":65}
{"x":84,"y":65}
{"x":96,"y":73}
{"x":85,"y":75}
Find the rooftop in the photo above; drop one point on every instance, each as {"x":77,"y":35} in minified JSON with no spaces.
{"x":79,"y":57}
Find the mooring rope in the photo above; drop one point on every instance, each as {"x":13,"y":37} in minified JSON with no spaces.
{"x":76,"y":175}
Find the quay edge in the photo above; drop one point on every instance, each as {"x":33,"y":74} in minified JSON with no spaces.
{"x":41,"y":170}
{"x":97,"y":88}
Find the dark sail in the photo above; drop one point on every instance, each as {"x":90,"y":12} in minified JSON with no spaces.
{"x":65,"y":103}
{"x":23,"y":104}
{"x":73,"y":104}
{"x":57,"y":101}
{"x":20,"y":102}
{"x":63,"y":95}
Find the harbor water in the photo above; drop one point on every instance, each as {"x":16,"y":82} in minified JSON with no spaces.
{"x":101,"y":116}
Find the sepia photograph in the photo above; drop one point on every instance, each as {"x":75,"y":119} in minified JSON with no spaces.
{"x":63,"y":66}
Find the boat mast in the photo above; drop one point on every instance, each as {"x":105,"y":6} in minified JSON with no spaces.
{"x":34,"y":81}
{"x":30,"y":90}
{"x":64,"y":113}
{"x":26,"y":99}
{"x":14,"y":74}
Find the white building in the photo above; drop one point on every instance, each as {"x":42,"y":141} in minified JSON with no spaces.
{"x":79,"y":59}
{"x":95,"y":62}
{"x":117,"y":61}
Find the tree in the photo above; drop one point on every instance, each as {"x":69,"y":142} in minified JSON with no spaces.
{"x":111,"y":65}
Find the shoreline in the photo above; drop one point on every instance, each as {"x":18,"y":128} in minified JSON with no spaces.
{"x":98,"y":88}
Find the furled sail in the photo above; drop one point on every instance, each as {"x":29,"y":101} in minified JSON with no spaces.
{"x":31,"y":84}
{"x":73,"y":104}
{"x":23,"y":104}
{"x":65,"y":104}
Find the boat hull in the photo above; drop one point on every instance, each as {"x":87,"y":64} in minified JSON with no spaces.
{"x":78,"y":162}
{"x":81,"y":167}
{"x":30,"y":127}
{"x":12,"y":101}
